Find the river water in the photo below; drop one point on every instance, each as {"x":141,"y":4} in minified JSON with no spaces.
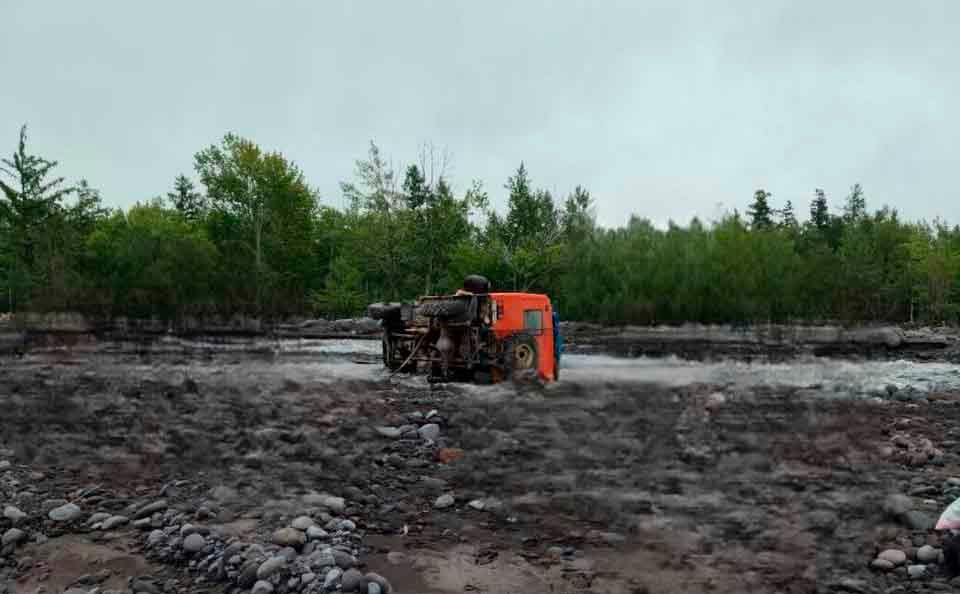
{"x":360,"y":359}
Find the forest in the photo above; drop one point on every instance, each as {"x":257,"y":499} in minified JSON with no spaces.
{"x":245,"y":232}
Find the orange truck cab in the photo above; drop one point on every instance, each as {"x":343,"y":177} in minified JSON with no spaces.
{"x":530,"y":314}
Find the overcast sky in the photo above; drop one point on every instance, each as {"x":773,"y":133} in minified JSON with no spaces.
{"x":666,"y":110}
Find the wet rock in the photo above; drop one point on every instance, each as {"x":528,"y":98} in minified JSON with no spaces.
{"x":895,"y":556}
{"x":322,"y":558}
{"x":262,"y":587}
{"x":302,"y":523}
{"x":316,"y":533}
{"x":5,"y":465}
{"x":98,"y":518}
{"x":343,"y":560}
{"x":14,"y":514}
{"x":918,"y":520}
{"x":444,"y":501}
{"x":352,"y":580}
{"x":448,"y":455}
{"x":307,"y":578}
{"x":289,"y":537}
{"x":13,"y":536}
{"x":332,"y":577}
{"x":389,"y":432}
{"x":374,"y":588}
{"x":882,"y":565}
{"x":429,"y":432}
{"x":65,"y":513}
{"x":477,"y":504}
{"x":224,"y":494}
{"x":151,"y":508}
{"x":288,"y":553}
{"x":271,"y":566}
{"x":194,"y":543}
{"x":155,"y":538}
{"x":336,"y":504}
{"x":347,"y":525}
{"x":897,"y":505}
{"x":143,"y":523}
{"x":248,"y":575}
{"x":928,"y":554}
{"x":917,"y":571}
{"x":379,"y":580}
{"x":114,"y":521}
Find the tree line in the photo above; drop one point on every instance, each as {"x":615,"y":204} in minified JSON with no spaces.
{"x":248,"y":234}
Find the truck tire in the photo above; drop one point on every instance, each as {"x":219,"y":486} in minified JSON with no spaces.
{"x":521,"y":355}
{"x":383,"y":311}
{"x":443,"y":308}
{"x":476,"y":284}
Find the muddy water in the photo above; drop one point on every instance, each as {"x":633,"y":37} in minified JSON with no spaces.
{"x":359,"y":360}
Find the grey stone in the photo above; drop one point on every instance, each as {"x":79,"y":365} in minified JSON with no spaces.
{"x":288,"y":537}
{"x":114,"y":521}
{"x":14,"y":515}
{"x":143,"y":523}
{"x":332,"y":577}
{"x":262,"y":587}
{"x":376,"y":578}
{"x":194,"y":543}
{"x":917,"y":571}
{"x":288,"y":553}
{"x":928,"y":554}
{"x":302,"y":523}
{"x":5,"y":465}
{"x":224,"y":494}
{"x":337,"y":504}
{"x":882,"y":565}
{"x":477,"y":504}
{"x":429,"y":432}
{"x":98,"y":518}
{"x":248,"y":575}
{"x":897,"y":505}
{"x":351,"y":580}
{"x":271,"y":566}
{"x":322,"y":558}
{"x":388,"y":432}
{"x":917,"y":520}
{"x":895,"y":556}
{"x":13,"y":536}
{"x":307,"y":578}
{"x":444,"y":501}
{"x":151,"y":508}
{"x":316,"y":533}
{"x":65,"y":513}
{"x":343,"y":560}
{"x":374,"y":588}
{"x":347,"y":525}
{"x":156,"y":537}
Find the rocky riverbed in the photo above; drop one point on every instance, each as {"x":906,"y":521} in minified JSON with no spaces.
{"x":177,"y":470}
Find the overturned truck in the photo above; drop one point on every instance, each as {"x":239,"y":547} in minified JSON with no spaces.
{"x":473,"y":335}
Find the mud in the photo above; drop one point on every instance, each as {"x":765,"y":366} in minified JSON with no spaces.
{"x":593,"y":484}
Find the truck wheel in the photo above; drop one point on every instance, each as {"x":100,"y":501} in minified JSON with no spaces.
{"x":443,"y":308}
{"x":521,"y":355}
{"x":383,"y":311}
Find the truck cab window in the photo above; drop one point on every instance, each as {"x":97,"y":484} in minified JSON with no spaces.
{"x":532,"y":319}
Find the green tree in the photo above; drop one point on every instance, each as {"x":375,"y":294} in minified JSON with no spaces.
{"x":342,"y":294}
{"x":819,"y":213}
{"x":31,"y":213}
{"x":186,"y":199}
{"x":264,"y":209}
{"x":761,"y":215}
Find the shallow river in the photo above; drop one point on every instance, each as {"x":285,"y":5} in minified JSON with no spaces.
{"x":359,"y":359}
